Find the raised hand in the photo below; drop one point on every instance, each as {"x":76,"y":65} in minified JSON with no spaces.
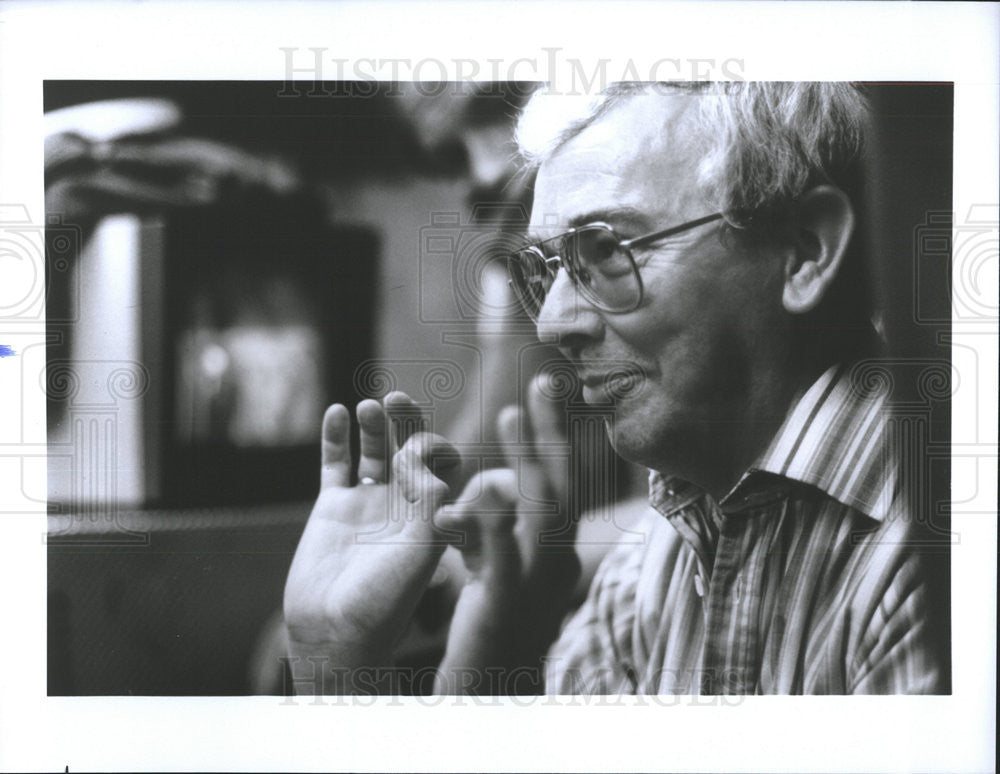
{"x":517,"y":526}
{"x":368,"y":551}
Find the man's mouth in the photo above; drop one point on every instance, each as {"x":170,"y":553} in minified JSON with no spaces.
{"x":614,"y":384}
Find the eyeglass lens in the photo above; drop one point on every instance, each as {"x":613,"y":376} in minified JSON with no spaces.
{"x":598,"y":265}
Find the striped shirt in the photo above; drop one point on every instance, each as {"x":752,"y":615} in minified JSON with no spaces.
{"x":800,"y":580}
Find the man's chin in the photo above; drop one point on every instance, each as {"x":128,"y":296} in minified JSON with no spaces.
{"x":630,"y":437}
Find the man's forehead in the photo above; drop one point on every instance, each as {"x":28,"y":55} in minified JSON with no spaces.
{"x":636,"y":160}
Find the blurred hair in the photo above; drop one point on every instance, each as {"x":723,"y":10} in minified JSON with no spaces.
{"x":763,"y":146}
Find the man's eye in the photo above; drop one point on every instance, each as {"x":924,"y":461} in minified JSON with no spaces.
{"x":601,"y":253}
{"x":597,"y":246}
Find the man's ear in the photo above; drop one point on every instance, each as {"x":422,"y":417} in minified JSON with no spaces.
{"x":824,"y":228}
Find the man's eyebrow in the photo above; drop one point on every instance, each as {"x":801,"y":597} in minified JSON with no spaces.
{"x":624,"y":216}
{"x":613,"y":216}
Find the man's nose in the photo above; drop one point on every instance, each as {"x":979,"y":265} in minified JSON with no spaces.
{"x":566,"y":315}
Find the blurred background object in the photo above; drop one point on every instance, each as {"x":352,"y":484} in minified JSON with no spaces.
{"x":910,"y":206}
{"x":212,"y":306}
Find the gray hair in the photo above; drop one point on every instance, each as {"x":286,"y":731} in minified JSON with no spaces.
{"x":767,"y":143}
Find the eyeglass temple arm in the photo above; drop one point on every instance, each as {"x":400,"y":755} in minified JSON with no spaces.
{"x":670,"y":231}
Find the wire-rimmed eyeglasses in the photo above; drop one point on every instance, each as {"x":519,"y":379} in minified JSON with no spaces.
{"x":598,"y":261}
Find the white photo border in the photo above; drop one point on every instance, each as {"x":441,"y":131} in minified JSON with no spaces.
{"x":762,"y":41}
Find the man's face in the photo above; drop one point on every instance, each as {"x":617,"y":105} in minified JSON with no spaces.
{"x":707,"y":337}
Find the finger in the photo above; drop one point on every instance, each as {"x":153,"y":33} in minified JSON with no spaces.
{"x":548,"y":433}
{"x":405,"y":417}
{"x":547,"y":414}
{"x":541,"y":466}
{"x":516,"y":453}
{"x":487,"y":505}
{"x":550,"y":473}
{"x":335,"y":451}
{"x":414,"y":475}
{"x":480,"y":523}
{"x":374,"y":440}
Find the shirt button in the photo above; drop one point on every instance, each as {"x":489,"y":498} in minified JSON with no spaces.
{"x":699,"y":586}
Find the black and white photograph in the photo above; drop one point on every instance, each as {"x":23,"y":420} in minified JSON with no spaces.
{"x":718,"y":464}
{"x":553,"y":395}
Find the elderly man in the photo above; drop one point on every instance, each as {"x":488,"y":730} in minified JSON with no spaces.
{"x":696,"y":257}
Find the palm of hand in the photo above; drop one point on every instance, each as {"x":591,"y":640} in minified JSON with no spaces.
{"x":323,"y":589}
{"x":368,"y":551}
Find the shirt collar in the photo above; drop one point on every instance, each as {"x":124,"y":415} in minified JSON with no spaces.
{"x":833,"y":438}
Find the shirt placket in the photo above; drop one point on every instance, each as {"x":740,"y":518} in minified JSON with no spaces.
{"x":691,"y":514}
{"x":723,"y":667}
{"x":734,"y":597}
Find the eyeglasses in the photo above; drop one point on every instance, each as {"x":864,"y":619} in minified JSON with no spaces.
{"x":598,"y":261}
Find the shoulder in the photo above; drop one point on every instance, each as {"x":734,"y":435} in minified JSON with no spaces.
{"x":894,"y":634}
